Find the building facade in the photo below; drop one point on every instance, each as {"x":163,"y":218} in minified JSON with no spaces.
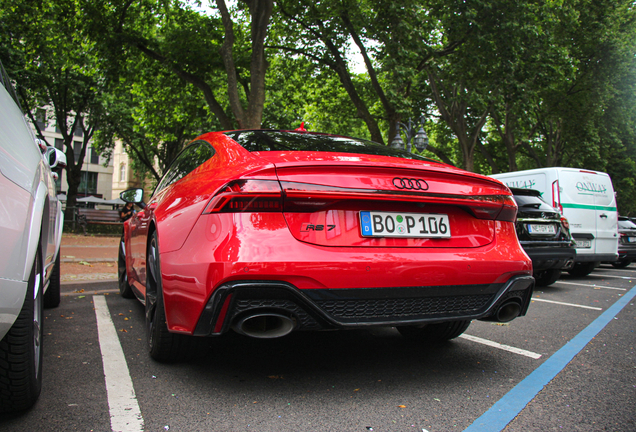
{"x":97,"y":172}
{"x":123,"y":175}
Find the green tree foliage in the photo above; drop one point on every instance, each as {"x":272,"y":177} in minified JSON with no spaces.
{"x":154,"y":115}
{"x":53,"y":65}
{"x":503,"y":86}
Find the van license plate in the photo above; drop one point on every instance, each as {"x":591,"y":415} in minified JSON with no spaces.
{"x":583,"y":243}
{"x":541,"y":229}
{"x":408,"y":225}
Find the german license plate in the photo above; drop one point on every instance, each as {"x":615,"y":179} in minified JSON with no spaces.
{"x":541,"y":229}
{"x":583,"y":243}
{"x":411,"y":225}
{"x":631,"y":239}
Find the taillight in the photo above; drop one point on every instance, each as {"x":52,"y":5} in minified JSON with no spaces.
{"x":498,"y":207}
{"x":272,"y":196}
{"x":247,"y":196}
{"x":509,"y":211}
{"x":565,"y":223}
{"x":556,"y":196}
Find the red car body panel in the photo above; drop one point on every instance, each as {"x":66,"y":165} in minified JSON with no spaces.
{"x":202,"y":250}
{"x":219,"y":250}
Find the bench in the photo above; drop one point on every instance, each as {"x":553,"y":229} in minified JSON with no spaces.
{"x":99,"y":217}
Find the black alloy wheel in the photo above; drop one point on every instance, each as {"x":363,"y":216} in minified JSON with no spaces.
{"x":621,"y":264}
{"x":21,"y":348}
{"x":125,"y":290}
{"x":434,"y":333}
{"x":547,"y":277}
{"x":583,"y":269}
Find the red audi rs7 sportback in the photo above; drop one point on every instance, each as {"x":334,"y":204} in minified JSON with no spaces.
{"x":268,"y":232}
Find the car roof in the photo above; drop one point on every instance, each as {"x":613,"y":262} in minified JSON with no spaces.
{"x":526,"y":192}
{"x":6,"y":83}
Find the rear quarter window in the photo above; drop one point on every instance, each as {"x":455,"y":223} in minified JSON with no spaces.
{"x":187,"y":161}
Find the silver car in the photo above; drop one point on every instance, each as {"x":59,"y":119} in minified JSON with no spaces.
{"x":31,"y":222}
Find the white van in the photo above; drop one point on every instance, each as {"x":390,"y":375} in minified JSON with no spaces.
{"x":586,"y":198}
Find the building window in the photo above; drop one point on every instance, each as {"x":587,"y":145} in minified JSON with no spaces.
{"x":94,"y":156}
{"x":88,"y":184}
{"x":122,"y":173}
{"x":59,"y":144}
{"x":77,"y":149}
{"x":40,"y":118}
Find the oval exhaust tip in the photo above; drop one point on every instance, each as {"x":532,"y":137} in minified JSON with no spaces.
{"x":265,"y":326}
{"x":508,"y":311}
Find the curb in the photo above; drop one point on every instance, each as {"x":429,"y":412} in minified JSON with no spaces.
{"x":88,"y":260}
{"x":88,"y":281}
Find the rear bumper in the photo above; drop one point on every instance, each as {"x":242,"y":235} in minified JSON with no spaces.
{"x":338,"y":309}
{"x":545,"y":258}
{"x":626,"y":254}
{"x":596,"y":257}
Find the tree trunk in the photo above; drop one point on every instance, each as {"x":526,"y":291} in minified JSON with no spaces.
{"x":260,"y":11}
{"x":454,"y":112}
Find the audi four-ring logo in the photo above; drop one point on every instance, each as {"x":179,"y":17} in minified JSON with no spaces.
{"x":410,"y":183}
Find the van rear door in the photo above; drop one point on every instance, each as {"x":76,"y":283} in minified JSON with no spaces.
{"x":606,"y":214}
{"x":590,"y":196}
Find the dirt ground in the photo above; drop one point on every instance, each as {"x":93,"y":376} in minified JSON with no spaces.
{"x":89,"y":240}
{"x":91,"y":268}
{"x":86,"y":252}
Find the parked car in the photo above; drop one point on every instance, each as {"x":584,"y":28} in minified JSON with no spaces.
{"x":587,"y":199}
{"x":626,"y":242}
{"x":544,"y":235}
{"x":31,"y":230}
{"x":269,"y":232}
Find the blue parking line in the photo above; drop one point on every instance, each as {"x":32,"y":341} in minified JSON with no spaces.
{"x":509,"y":406}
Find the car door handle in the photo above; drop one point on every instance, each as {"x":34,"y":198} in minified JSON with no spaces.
{"x":604,"y":216}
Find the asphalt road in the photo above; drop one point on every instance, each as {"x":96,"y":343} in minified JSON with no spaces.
{"x":353,"y":380}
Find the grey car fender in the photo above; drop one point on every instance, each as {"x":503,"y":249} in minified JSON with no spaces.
{"x":35,"y":226}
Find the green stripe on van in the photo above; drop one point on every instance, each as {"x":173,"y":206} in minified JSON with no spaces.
{"x":588,"y":207}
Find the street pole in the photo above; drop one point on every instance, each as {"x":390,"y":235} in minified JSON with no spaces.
{"x":419,"y":138}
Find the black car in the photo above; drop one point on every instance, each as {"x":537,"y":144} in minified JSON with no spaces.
{"x":545,"y":236}
{"x":626,"y":242}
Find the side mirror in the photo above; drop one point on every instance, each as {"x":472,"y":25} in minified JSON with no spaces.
{"x":41,"y":144}
{"x":134,"y":196}
{"x":56,"y":158}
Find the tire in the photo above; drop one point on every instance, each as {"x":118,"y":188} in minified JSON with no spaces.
{"x":125,"y":290}
{"x":583,"y":269}
{"x":434,"y":333}
{"x":547,"y":277}
{"x":621,"y":264}
{"x":52,"y":294}
{"x":21,"y":349}
{"x":163,"y":346}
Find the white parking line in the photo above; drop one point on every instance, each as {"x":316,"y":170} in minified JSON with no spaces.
{"x":632,"y":269}
{"x":610,"y":276}
{"x":566,"y":304}
{"x":501,"y":346}
{"x":125,"y":415}
{"x":592,"y":286}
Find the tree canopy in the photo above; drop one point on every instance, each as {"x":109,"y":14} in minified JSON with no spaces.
{"x":502,"y":86}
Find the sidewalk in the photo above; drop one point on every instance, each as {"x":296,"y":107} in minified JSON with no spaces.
{"x":88,"y":258}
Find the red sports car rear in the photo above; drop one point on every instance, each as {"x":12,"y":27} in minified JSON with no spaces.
{"x":268,"y":232}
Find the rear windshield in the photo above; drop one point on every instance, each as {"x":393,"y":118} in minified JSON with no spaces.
{"x":529,"y":201}
{"x":265,"y":140}
{"x":626,"y":224}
